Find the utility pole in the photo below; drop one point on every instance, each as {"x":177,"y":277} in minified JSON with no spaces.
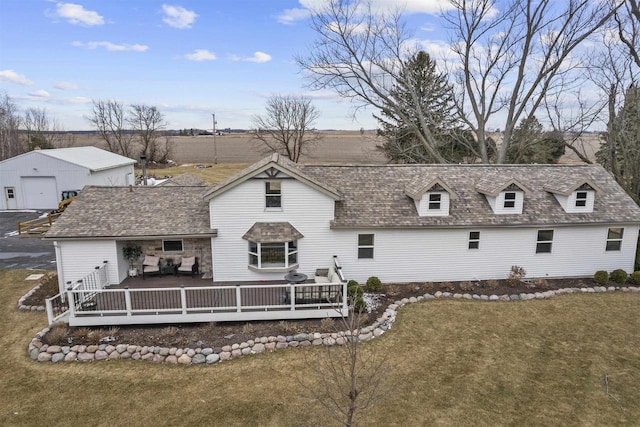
{"x":215,"y":148}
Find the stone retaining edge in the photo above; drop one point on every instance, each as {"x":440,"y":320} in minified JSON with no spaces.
{"x":41,"y":352}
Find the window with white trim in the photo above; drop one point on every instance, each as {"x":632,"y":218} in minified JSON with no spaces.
{"x":474,"y":240}
{"x":544,"y":241}
{"x":614,"y":239}
{"x":581,"y":199}
{"x":510,"y":199}
{"x":10,"y":192}
{"x":273,"y":255}
{"x":365,"y":246}
{"x":273,"y":194}
{"x":435,"y":200}
{"x":172,"y":246}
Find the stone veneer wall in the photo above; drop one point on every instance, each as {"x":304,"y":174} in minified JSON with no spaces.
{"x":209,"y":355}
{"x":198,"y":247}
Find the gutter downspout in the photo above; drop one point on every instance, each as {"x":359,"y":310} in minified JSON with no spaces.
{"x":61,"y":282}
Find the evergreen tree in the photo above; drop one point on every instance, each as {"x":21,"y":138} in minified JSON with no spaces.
{"x":423,"y":95}
{"x":530,"y":144}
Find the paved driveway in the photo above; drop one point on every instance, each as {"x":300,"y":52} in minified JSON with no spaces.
{"x":29,"y":253}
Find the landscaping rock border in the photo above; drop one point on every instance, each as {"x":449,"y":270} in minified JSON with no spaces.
{"x":23,"y":298}
{"x":189,"y":356}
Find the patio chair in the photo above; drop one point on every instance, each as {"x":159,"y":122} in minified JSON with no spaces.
{"x":151,"y":264}
{"x":188,"y":265}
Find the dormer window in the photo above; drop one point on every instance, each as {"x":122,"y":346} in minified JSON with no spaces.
{"x":581,"y":199}
{"x":273,"y":194}
{"x":510,"y":199}
{"x":434,"y":201}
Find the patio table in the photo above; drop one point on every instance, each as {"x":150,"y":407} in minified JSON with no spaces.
{"x":296,"y":278}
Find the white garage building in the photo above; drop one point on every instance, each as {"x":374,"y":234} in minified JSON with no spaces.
{"x":34,"y":180}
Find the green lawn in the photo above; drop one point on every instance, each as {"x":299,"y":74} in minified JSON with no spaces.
{"x":453,"y":362}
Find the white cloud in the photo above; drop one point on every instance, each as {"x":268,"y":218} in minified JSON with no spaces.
{"x":12,"y":76}
{"x":76,"y":14}
{"x":201,"y":55}
{"x":40,"y":94}
{"x":66,"y":86}
{"x":178,"y":16}
{"x":112,"y":46}
{"x":289,"y":16}
{"x":258,"y":57}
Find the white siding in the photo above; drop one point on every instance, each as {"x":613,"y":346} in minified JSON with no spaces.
{"x":442,"y":255}
{"x":569,"y":203}
{"x":423,"y":205}
{"x":76,"y":259}
{"x":68,"y":176}
{"x":236,"y":210}
{"x":118,"y":176}
{"x":497,"y":203}
{"x":408,"y":255}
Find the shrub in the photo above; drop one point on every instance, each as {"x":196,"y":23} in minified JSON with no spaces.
{"x":81,"y":334}
{"x":351,"y":283}
{"x":635,"y":278}
{"x":516,"y":275}
{"x":393,"y":290}
{"x":327,"y":324}
{"x":355,"y":291}
{"x":541,"y":284}
{"x":373,"y":284}
{"x":601,"y":277}
{"x":169,"y":332}
{"x":467,"y":286}
{"x":492,"y":284}
{"x":360,"y":306}
{"x":618,"y":276}
{"x":57,"y":334}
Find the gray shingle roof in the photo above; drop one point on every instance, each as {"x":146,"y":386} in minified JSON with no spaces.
{"x":374,"y":195}
{"x":186,"y":179}
{"x":122,"y":212}
{"x":293,"y":169}
{"x":271,"y":232}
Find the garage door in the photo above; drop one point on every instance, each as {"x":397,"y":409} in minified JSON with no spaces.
{"x":39,"y":192}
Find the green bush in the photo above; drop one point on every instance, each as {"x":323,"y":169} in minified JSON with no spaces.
{"x":351,"y":283}
{"x":374,"y":284}
{"x":355,"y":291}
{"x":635,"y":278}
{"x":601,"y":277}
{"x":618,"y":276}
{"x":360,"y":306}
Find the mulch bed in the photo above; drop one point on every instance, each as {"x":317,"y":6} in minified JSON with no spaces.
{"x":217,"y":335}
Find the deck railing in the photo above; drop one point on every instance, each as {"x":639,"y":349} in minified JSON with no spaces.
{"x":207,"y":303}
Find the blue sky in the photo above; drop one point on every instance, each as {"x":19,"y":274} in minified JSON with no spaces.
{"x":189,"y":58}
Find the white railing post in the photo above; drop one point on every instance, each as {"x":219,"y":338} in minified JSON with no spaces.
{"x":183,"y":299}
{"x":127,"y":301}
{"x":238,"y":299}
{"x":293,"y":296}
{"x":72,"y":303}
{"x":48,"y":304}
{"x":345,"y":304}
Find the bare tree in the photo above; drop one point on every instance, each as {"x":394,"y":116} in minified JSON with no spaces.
{"x":147,"y":123}
{"x":348,"y":377}
{"x":42,"y":131}
{"x":109,"y":118}
{"x":512,"y":55}
{"x":10,"y":143}
{"x":361,"y":54}
{"x":628,"y":24}
{"x":287,"y":126}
